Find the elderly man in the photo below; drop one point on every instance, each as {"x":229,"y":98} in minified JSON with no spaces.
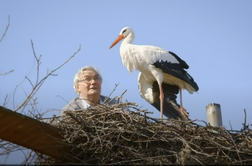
{"x":87,"y":84}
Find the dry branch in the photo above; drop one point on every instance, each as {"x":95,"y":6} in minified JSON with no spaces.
{"x":6,"y":29}
{"x":119,"y":134}
{"x":39,"y":83}
{"x":6,"y":148}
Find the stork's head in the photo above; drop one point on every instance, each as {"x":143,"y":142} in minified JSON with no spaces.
{"x":123,"y":34}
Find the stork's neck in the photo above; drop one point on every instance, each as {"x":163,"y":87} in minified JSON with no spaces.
{"x":130,"y":57}
{"x":130,"y":38}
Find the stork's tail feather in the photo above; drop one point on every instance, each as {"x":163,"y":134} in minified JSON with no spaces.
{"x":171,"y":107}
{"x":191,"y":82}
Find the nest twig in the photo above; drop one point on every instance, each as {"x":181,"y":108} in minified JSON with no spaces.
{"x":121,"y":134}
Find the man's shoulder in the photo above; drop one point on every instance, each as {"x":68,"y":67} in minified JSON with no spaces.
{"x":72,"y":104}
{"x":109,"y":100}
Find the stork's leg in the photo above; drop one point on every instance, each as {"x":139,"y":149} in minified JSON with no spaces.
{"x":161,"y":97}
{"x":180,"y":92}
{"x":182,"y":110}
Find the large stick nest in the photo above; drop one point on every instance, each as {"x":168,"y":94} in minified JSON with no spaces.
{"x":122,"y":134}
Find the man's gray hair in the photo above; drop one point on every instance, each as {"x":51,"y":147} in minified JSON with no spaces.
{"x":80,"y":73}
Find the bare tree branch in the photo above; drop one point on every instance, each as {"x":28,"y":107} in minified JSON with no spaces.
{"x":6,"y":72}
{"x":6,"y":29}
{"x":39,"y":83}
{"x":6,"y":99}
{"x":7,"y":147}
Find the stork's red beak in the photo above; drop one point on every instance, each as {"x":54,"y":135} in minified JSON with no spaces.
{"x":120,"y":37}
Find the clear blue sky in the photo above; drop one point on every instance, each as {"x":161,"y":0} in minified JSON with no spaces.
{"x":213,"y":37}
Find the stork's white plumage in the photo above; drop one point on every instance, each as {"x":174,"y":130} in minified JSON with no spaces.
{"x":155,"y":65}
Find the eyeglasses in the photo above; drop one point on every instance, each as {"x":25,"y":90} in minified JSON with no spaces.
{"x":89,"y":79}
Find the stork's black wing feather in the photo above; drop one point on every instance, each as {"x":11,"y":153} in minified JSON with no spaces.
{"x":171,"y":107}
{"x":176,"y":70}
{"x":183,"y":63}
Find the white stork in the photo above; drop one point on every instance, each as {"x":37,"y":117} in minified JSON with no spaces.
{"x":157,"y":66}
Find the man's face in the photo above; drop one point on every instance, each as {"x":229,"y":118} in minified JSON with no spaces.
{"x":90,"y":84}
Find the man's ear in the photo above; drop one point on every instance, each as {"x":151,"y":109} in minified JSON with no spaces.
{"x":77,"y":87}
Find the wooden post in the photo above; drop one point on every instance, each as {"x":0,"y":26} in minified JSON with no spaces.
{"x":214,"y":117}
{"x":30,"y":133}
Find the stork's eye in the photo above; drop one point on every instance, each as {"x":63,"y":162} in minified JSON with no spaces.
{"x":124,"y":31}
